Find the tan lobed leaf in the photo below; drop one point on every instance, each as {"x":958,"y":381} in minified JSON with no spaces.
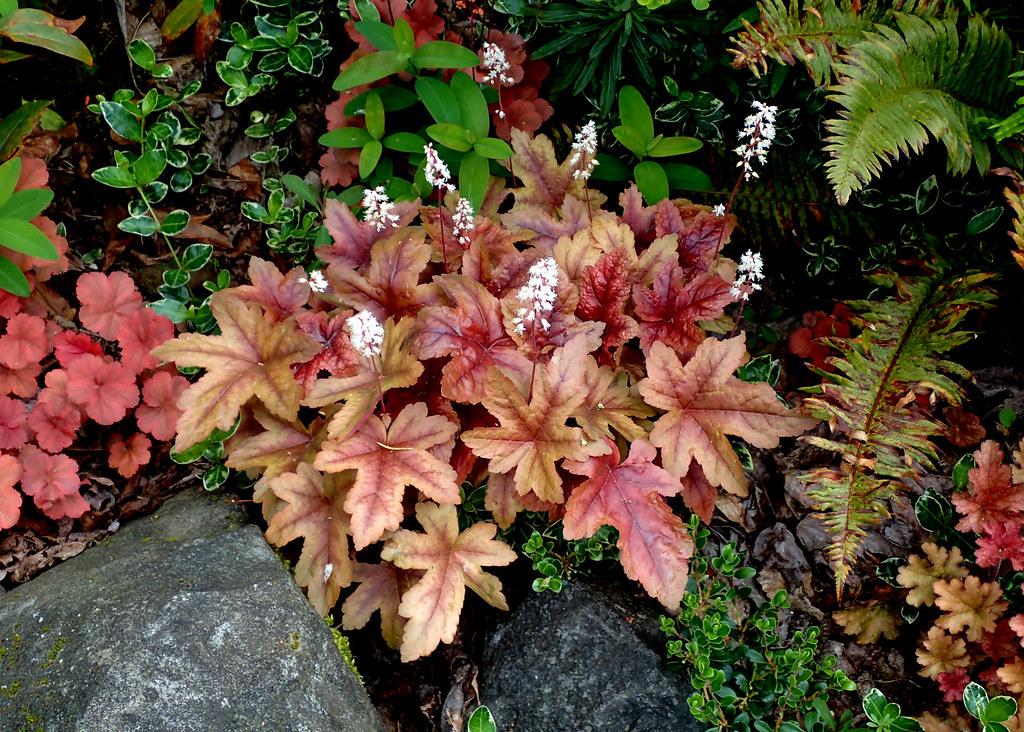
{"x":389,"y":458}
{"x":705,"y":403}
{"x":532,"y":437}
{"x":398,"y":368}
{"x":919,"y":573}
{"x":249,"y":359}
{"x":941,"y":653}
{"x":654,"y":543}
{"x":502,"y":499}
{"x":381,"y":587}
{"x":315,"y":511}
{"x":452,"y":561}
{"x":610,"y":403}
{"x":1012,"y":674}
{"x":969,"y":605}
{"x":868,"y":622}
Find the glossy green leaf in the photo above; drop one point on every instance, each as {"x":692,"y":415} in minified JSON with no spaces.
{"x":481,"y":720}
{"x":121,"y":121}
{"x":975,"y":699}
{"x":451,"y":136}
{"x":15,"y":126}
{"x":301,"y":59}
{"x":369,"y":157}
{"x":439,"y":99}
{"x":984,"y":221}
{"x":493,"y":148}
{"x":196,"y":256}
{"x":27,"y":204}
{"x":961,"y":471}
{"x":191,"y":454}
{"x":40,"y":29}
{"x":394,"y":98}
{"x":142,"y":54}
{"x":12,"y":279}
{"x":181,"y":181}
{"x":634,"y":112}
{"x":175,"y":222}
{"x":380,"y":35}
{"x":473,"y":178}
{"x":21,"y":236}
{"x":141,"y":225}
{"x":367,"y":10}
{"x":652,"y":181}
{"x":669,"y":146}
{"x":686,"y":177}
{"x":405,"y":142}
{"x":370,"y":68}
{"x":176,"y":277}
{"x":473,"y":114}
{"x":631,"y":139}
{"x":1000,"y":709}
{"x":302,"y":189}
{"x":179,"y":20}
{"x":346,"y":137}
{"x":149,"y":166}
{"x":610,"y":167}
{"x":444,"y":55}
{"x":405,"y":40}
{"x":374,"y":116}
{"x":216,"y":476}
{"x":9,"y":174}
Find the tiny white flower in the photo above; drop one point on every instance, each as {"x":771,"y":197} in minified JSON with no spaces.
{"x":328,"y":571}
{"x":584,"y":149}
{"x":436,"y":170}
{"x":317,"y":281}
{"x":719,"y":210}
{"x":496,"y":65}
{"x":749,"y":273}
{"x":538,"y":295}
{"x":463,"y":221}
{"x":367,"y":333}
{"x":759,"y":132}
{"x":378,"y":208}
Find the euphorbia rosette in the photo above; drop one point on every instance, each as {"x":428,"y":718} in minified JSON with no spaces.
{"x":433,"y":384}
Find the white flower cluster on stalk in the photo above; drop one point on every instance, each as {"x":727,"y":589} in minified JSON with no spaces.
{"x":538,"y":295}
{"x":749,"y":274}
{"x":584,"y":148}
{"x":463,"y":221}
{"x":366,"y":332}
{"x":317,"y":281}
{"x":758,"y":132}
{"x":496,"y":65}
{"x":719,"y":210}
{"x":436,"y":171}
{"x":378,"y":208}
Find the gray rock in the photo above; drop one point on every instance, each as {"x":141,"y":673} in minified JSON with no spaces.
{"x":183,"y":621}
{"x":573,"y":662}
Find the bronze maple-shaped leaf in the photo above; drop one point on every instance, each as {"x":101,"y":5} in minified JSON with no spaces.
{"x":533,"y":436}
{"x":381,"y":587}
{"x":250,"y":358}
{"x":452,"y":561}
{"x":315,"y":511}
{"x":969,"y":605}
{"x":654,"y":543}
{"x":389,"y":458}
{"x":705,"y":402}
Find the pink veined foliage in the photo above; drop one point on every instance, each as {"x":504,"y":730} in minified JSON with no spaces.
{"x":104,"y":389}
{"x":52,"y":481}
{"x":10,"y":499}
{"x":140,"y":333}
{"x":158,"y":413}
{"x":106,"y":300}
{"x":24,"y":342}
{"x":54,"y":422}
{"x":12,"y":423}
{"x":69,"y":345}
{"x":128,"y":456}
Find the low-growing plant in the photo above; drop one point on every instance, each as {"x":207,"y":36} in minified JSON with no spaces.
{"x":29,"y":242}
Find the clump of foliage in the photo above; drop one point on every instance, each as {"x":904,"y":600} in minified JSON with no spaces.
{"x":30,"y":244}
{"x":744,"y":675}
{"x":597,"y":395}
{"x":880,"y":432}
{"x":89,"y":385}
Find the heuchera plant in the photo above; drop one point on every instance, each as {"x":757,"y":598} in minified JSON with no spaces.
{"x":560,"y":360}
{"x":56,"y":378}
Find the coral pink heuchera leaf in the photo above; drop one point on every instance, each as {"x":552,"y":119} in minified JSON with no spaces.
{"x":128,"y":457}
{"x":250,"y":358}
{"x":12,"y":424}
{"x":158,"y":413}
{"x":669,"y":312}
{"x":53,"y":482}
{"x":140,"y":333}
{"x":388,"y":459}
{"x":106,"y":299}
{"x":20,"y":382}
{"x":337,"y":355}
{"x":314,"y":510}
{"x":104,"y":389}
{"x":452,"y":561}
{"x":630,"y":496}
{"x":69,"y":345}
{"x":25,"y":341}
{"x":10,"y":499}
{"x":279,"y":295}
{"x":705,"y":403}
{"x":473,"y":334}
{"x":54,"y":422}
{"x":994,"y":497}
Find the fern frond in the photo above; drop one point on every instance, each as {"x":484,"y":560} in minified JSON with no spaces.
{"x":815,"y":34}
{"x":870,"y":405}
{"x":1015,"y":197}
{"x":899,"y":87}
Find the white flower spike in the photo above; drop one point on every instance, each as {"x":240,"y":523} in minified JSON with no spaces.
{"x":367,"y":333}
{"x":749,"y":274}
{"x":496,"y":65}
{"x":538,"y":295}
{"x":584,"y":149}
{"x":436,"y":170}
{"x":463,"y":221}
{"x":759,"y":132}
{"x":378,"y":208}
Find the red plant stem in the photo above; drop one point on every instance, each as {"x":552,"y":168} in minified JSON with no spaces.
{"x":440,"y":218}
{"x":586,"y":188}
{"x":380,"y":387}
{"x":725,"y":216}
{"x":533,"y":370}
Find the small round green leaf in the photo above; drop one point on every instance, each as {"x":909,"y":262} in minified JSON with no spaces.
{"x":121,"y":121}
{"x":196,"y":256}
{"x":175,"y":277}
{"x":651,"y":180}
{"x":141,"y":225}
{"x":114,"y":177}
{"x":149,"y":166}
{"x":405,"y":142}
{"x":984,"y":221}
{"x":451,"y":136}
{"x":175,"y":222}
